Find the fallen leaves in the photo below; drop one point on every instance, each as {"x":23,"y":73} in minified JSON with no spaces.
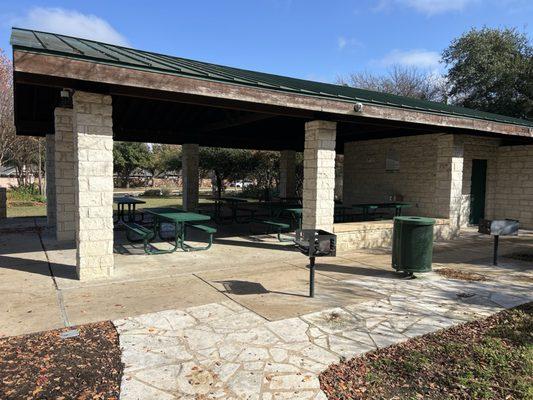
{"x":42,"y":365}
{"x":488,"y":358}
{"x":452,"y":273}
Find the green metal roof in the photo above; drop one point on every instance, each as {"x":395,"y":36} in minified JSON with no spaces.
{"x":83,"y":49}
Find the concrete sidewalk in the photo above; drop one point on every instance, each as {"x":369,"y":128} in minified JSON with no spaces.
{"x":225,"y":351}
{"x":257,"y":272}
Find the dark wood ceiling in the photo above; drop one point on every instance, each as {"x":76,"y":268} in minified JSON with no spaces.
{"x":150,"y":117}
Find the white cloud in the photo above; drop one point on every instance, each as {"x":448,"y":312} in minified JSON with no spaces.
{"x":428,"y":7}
{"x":344,"y":42}
{"x":411,"y":58}
{"x":70,"y":22}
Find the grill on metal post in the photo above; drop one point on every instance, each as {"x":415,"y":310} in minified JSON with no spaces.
{"x":315,"y":243}
{"x":497,"y":228}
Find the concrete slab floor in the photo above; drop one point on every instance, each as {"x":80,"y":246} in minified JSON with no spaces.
{"x":39,"y":289}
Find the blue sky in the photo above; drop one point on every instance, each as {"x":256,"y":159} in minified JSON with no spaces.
{"x":316,"y":40}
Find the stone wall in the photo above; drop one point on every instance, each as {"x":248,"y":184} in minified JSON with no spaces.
{"x":513,"y":192}
{"x":190,"y":174}
{"x":64,"y":175}
{"x":50,"y":181}
{"x":319,"y":175}
{"x":367,"y":180}
{"x":373,"y":234}
{"x":449,"y":179}
{"x":287,"y":173}
{"x":93,"y":152}
{"x":432,"y":170}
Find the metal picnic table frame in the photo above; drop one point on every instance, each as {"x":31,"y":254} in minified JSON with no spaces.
{"x":232,"y":203}
{"x":178,"y":218}
{"x":397,"y":206}
{"x":131,"y":202}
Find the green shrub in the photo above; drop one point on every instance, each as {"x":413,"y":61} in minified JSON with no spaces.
{"x":24,"y":195}
{"x":166,"y":191}
{"x":153,"y":193}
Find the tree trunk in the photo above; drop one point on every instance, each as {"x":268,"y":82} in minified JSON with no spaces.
{"x":219,"y":186}
{"x":40,"y":175}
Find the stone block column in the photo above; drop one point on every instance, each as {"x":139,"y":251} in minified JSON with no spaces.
{"x":319,"y":175}
{"x":449,"y":179}
{"x":3,"y":203}
{"x":287,"y":173}
{"x":50,"y":181}
{"x":190,"y":175}
{"x":93,"y":155}
{"x":64,"y":175}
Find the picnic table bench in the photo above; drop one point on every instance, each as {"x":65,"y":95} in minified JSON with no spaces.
{"x":180,"y":221}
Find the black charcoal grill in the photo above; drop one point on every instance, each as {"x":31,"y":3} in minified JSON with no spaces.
{"x":315,"y":243}
{"x":497,"y":228}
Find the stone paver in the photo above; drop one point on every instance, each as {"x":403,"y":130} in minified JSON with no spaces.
{"x":225,"y":351}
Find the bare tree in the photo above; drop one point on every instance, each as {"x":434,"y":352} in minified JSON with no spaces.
{"x":402,"y":81}
{"x":21,"y":152}
{"x":7,"y":127}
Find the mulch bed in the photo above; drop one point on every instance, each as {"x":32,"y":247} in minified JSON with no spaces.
{"x":462,"y":275}
{"x":487,"y":359}
{"x":45,"y":366}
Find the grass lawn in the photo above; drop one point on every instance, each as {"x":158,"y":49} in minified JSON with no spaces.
{"x":487,"y":359}
{"x":40,"y":210}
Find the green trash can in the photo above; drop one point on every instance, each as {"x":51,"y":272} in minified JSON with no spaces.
{"x":412,"y":244}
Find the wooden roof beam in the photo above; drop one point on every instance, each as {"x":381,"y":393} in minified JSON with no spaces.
{"x":55,"y":67}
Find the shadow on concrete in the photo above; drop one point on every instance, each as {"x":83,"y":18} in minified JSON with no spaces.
{"x":255,"y":244}
{"x":357,"y":270}
{"x":38,"y":267}
{"x":239,"y":288}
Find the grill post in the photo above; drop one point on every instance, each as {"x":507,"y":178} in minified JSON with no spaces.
{"x":495,"y":256}
{"x":315,"y":243}
{"x":312,"y":277}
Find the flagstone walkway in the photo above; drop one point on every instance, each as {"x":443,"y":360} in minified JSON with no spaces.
{"x":225,"y":351}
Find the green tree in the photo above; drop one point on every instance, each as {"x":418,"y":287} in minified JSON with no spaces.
{"x":164,"y":158}
{"x":492,"y":70}
{"x":226,"y":164}
{"x":265,"y":169}
{"x":129,"y":156}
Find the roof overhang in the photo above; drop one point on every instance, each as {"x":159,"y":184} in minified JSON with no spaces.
{"x":56,"y":71}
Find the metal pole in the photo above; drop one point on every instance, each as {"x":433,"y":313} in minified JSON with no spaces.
{"x":312,"y":277}
{"x":495,"y":257}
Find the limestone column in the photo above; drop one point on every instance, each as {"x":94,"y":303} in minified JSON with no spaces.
{"x":190,"y":175}
{"x":449,"y":186}
{"x":50,"y":181}
{"x":287,"y":173}
{"x":93,"y":155}
{"x":64,"y":175}
{"x":319,"y":175}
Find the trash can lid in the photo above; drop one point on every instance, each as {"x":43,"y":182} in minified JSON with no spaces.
{"x":411,"y":220}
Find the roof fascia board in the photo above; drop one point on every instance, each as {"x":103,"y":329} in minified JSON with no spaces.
{"x":65,"y":67}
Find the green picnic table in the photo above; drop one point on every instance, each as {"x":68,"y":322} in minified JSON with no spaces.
{"x":339,"y":212}
{"x":297,"y":212}
{"x":397,"y":206}
{"x":124,"y":201}
{"x":233,"y":204}
{"x":178,"y":218}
